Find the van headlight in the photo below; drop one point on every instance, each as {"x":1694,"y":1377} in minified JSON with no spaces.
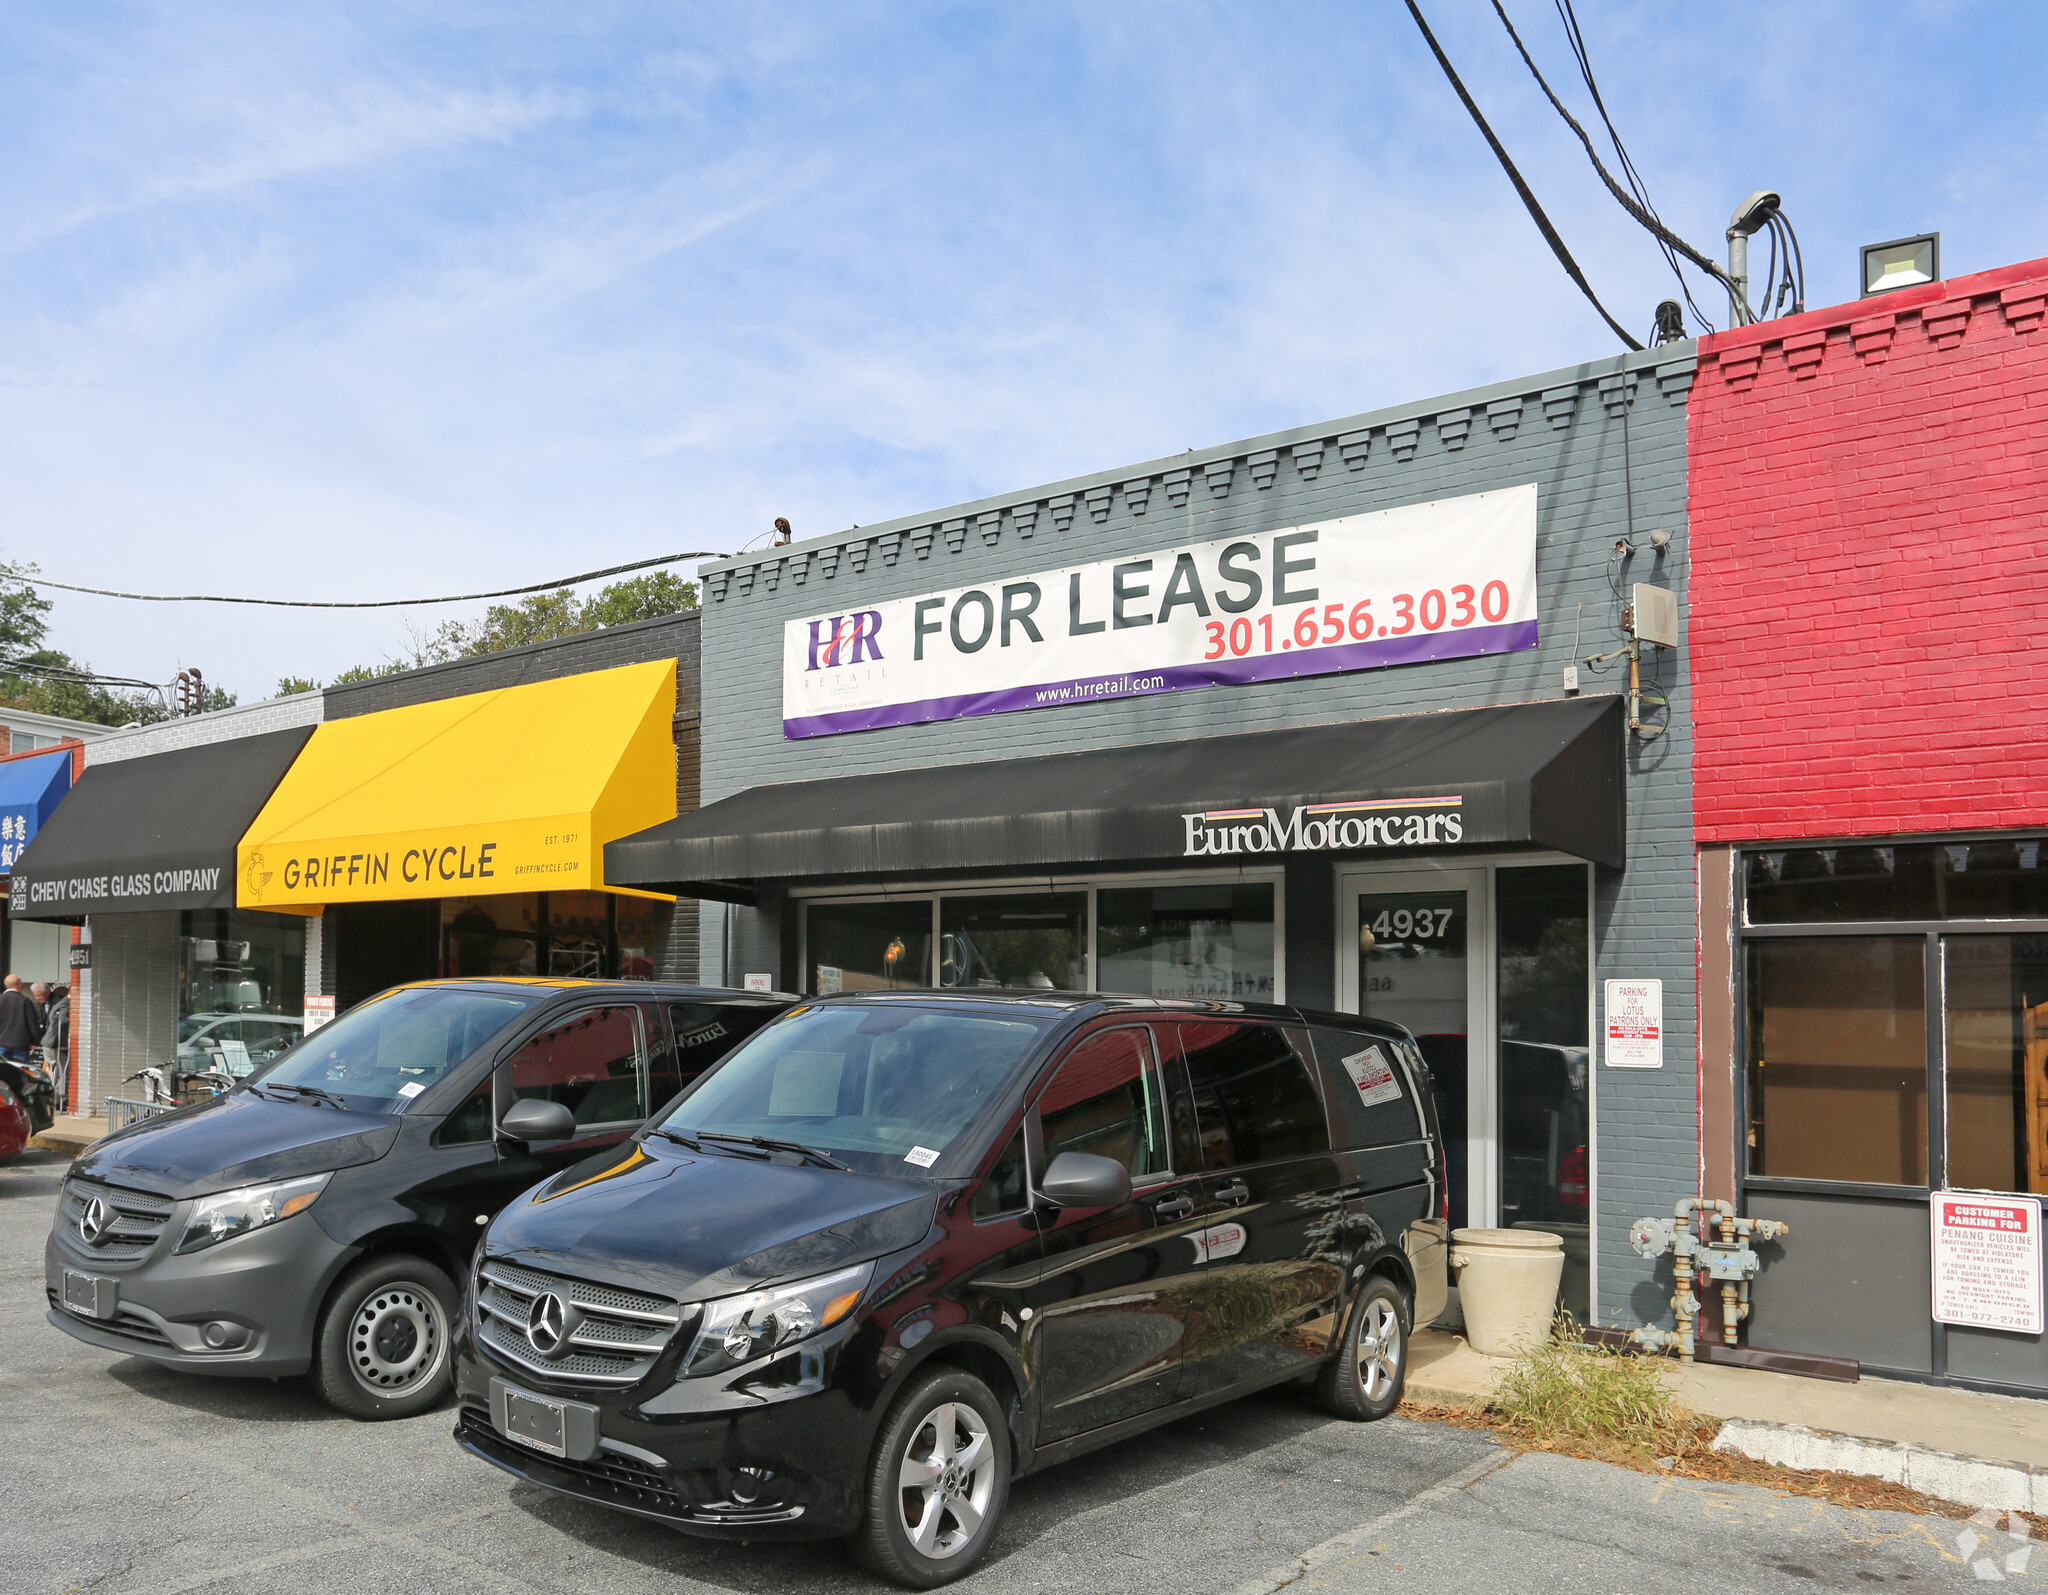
{"x":230,"y":1213}
{"x":739,"y":1329}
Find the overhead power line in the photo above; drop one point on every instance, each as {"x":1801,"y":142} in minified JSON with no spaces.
{"x":1550,"y":235}
{"x":1664,"y":235}
{"x":377,"y":603}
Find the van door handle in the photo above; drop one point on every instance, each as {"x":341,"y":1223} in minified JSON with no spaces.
{"x":1233,"y":1193}
{"x":1174,"y":1206}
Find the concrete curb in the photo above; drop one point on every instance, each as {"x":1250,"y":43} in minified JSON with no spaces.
{"x":61,"y":1141}
{"x":1967,"y":1481}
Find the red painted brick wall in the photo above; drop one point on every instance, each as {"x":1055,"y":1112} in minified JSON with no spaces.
{"x":1869,"y":539}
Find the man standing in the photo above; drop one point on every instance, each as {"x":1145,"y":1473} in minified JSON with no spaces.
{"x":21,"y":1022}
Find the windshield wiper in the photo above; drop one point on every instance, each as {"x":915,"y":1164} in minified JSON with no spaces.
{"x":768,"y":1143}
{"x":313,"y":1091}
{"x":680,"y":1140}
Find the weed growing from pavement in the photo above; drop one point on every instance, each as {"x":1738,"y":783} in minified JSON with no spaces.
{"x":1603,"y":1405}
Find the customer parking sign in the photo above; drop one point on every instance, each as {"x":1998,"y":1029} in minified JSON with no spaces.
{"x":1987,"y":1260}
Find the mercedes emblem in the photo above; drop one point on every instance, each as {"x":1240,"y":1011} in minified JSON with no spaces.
{"x":547,"y":1325}
{"x":95,"y":1221}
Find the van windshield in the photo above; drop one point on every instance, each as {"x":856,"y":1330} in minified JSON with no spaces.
{"x":382,"y":1054}
{"x":886,"y":1090}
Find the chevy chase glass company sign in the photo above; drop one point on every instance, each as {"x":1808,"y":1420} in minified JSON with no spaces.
{"x":1442,"y":580}
{"x":1319,"y":827}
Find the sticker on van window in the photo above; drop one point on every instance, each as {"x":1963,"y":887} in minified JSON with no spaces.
{"x":1374,"y":1077}
{"x":923,"y":1156}
{"x":411,"y":1088}
{"x":1219,"y":1240}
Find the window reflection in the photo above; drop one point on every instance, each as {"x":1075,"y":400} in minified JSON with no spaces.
{"x":1837,"y":1058}
{"x":1995,"y":1019}
{"x":869,"y":946}
{"x":1186,"y":941}
{"x":1029,"y":940}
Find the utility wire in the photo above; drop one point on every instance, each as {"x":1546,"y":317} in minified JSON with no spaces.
{"x":1636,"y":185}
{"x":1628,"y":202}
{"x":33,"y":667}
{"x":1557,"y":246}
{"x":379,"y":603}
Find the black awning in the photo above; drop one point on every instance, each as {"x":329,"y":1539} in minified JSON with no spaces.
{"x":1537,"y":774}
{"x":152,"y":833}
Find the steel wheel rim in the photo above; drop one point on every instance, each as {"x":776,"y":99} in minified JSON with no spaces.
{"x":1379,"y":1348}
{"x":396,"y":1339}
{"x":945,"y":1480}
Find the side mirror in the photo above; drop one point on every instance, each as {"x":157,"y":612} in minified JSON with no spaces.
{"x":535,"y":1119}
{"x":1081,"y":1179}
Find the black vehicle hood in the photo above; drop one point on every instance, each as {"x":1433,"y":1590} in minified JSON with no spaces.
{"x":695,"y":1227}
{"x":238,"y":1139}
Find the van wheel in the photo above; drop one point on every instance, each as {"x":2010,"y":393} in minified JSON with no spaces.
{"x":937,"y":1482}
{"x":381,"y":1350}
{"x":1365,"y":1379}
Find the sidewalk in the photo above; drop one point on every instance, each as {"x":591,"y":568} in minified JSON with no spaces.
{"x":1960,"y":1445}
{"x":70,"y":1135}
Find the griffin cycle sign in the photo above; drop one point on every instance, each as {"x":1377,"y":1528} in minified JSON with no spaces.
{"x":1443,"y":580}
{"x":1319,"y":827}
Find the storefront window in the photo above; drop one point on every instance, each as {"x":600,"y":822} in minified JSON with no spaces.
{"x":487,"y":936}
{"x":1186,"y":941}
{"x":1995,"y":1021}
{"x":577,"y":930}
{"x":1920,"y":880}
{"x":870,"y":946}
{"x":241,"y":988}
{"x":1544,"y":975}
{"x":1837,"y":1058}
{"x":1035,"y":939}
{"x":635,"y":937}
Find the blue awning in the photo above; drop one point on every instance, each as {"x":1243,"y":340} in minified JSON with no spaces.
{"x":30,"y":790}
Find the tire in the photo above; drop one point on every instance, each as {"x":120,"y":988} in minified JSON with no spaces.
{"x":381,"y":1350}
{"x":1364,"y":1381}
{"x":943,"y":1455}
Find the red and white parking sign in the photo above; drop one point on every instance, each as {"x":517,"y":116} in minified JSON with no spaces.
{"x":1987,"y":1260}
{"x":1635,"y":1024}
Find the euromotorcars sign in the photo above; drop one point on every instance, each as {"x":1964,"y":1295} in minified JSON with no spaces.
{"x":1442,"y":580}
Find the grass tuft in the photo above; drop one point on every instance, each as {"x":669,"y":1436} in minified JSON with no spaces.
{"x":1569,"y":1391}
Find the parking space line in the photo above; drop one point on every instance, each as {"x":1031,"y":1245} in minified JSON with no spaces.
{"x":1341,"y":1550}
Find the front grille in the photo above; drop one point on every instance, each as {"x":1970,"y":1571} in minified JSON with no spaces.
{"x":139,"y":1218}
{"x":615,"y":1341}
{"x":608,"y":1476}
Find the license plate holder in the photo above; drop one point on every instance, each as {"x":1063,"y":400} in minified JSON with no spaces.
{"x":553,"y":1427}
{"x":89,"y":1296}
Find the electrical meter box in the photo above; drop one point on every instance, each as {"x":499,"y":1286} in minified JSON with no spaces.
{"x":1656,"y":615}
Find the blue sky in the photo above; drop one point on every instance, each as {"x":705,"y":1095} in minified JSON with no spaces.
{"x":376,"y":300}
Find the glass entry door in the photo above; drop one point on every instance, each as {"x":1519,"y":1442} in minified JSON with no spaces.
{"x":1415,"y":949}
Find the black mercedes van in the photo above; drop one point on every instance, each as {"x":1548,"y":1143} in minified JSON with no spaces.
{"x":317,"y":1216}
{"x":899,"y":1248}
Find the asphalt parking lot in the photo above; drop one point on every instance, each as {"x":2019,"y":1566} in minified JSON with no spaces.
{"x":123,"y":1479}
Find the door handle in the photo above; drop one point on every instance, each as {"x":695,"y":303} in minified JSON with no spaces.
{"x":1174,"y":1206}
{"x":1235,"y":1192}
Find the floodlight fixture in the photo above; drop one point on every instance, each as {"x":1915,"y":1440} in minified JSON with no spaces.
{"x":1902,"y":263}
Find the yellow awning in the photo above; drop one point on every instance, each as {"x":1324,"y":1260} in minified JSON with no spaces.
{"x":510,"y":791}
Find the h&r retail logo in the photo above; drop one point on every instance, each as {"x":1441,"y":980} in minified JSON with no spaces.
{"x":845,"y":640}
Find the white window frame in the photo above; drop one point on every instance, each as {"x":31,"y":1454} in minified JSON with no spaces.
{"x":1092,"y":884}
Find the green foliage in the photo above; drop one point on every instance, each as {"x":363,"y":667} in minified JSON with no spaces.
{"x":86,"y":700}
{"x":1566,"y":1388}
{"x":292,"y":686}
{"x":538,"y":617}
{"x":647,"y":597}
{"x":22,"y":608}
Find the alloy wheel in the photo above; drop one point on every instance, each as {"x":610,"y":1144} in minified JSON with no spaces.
{"x":1379,"y":1348}
{"x":396,"y":1339}
{"x":946,"y":1478}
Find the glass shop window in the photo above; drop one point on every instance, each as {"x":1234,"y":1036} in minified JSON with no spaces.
{"x":1995,"y":1024}
{"x":635,"y":933}
{"x":1186,"y":941}
{"x":241,"y":988}
{"x":578,"y":929}
{"x":1950,"y":880}
{"x":1836,"y":1051}
{"x":1023,"y":940}
{"x":869,"y":946}
{"x":486,"y":936}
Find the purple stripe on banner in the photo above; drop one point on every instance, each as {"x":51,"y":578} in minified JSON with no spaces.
{"x":1373,"y":655}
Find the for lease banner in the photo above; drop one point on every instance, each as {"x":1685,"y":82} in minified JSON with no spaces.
{"x":1441,"y":580}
